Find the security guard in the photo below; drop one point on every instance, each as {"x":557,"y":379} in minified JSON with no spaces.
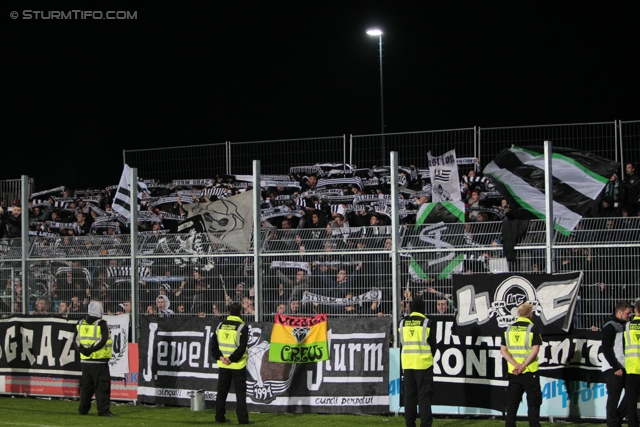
{"x":230,"y":350}
{"x":520,"y":349}
{"x":613,"y":363}
{"x":94,"y":344}
{"x":632,"y":366}
{"x":417,"y":364}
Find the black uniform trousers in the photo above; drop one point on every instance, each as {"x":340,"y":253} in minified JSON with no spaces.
{"x":528,"y":382}
{"x":238,"y":377}
{"x":95,"y":379}
{"x":631,"y":394}
{"x":616,"y":409}
{"x":418,"y":391}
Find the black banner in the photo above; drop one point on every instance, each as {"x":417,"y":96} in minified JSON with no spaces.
{"x":41,"y":345}
{"x":175,"y":359}
{"x":487,"y":303}
{"x":470,"y":371}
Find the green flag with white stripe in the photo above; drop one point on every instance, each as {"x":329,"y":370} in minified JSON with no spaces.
{"x":578,"y":179}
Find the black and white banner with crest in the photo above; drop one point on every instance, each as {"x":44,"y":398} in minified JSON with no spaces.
{"x":175,"y":358}
{"x":445,"y":183}
{"x":487,"y":304}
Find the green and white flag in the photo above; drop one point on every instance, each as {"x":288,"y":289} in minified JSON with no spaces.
{"x":578,"y":179}
{"x":438,"y":225}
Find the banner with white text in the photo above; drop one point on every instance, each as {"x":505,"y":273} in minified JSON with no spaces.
{"x":175,"y":359}
{"x":470,"y":374}
{"x":488,"y":303}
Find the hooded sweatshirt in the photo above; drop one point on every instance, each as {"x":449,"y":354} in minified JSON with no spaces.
{"x":94,"y":315}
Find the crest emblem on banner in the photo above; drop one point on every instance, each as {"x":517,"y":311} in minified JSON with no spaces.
{"x":509,"y":295}
{"x":300,"y":333}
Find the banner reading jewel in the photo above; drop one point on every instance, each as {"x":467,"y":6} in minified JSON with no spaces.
{"x":175,"y":358}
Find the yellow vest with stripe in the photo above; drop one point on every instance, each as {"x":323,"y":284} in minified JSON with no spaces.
{"x":414,"y":336}
{"x":228,"y":336}
{"x":88,"y":335}
{"x":519,"y":342}
{"x":632,"y":346}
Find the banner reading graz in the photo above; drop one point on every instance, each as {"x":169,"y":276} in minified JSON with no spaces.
{"x":43,"y":345}
{"x":38,"y":345}
{"x":488,"y":303}
{"x":175,"y":358}
{"x":469,"y":370}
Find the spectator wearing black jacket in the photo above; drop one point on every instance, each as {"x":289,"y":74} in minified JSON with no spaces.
{"x":613,"y":363}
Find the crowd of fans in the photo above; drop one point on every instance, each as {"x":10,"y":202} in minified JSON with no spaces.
{"x":331,"y":246}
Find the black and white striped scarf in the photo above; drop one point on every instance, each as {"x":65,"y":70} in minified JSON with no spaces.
{"x":42,"y":193}
{"x":125,"y":271}
{"x":192,"y":182}
{"x":326,"y":182}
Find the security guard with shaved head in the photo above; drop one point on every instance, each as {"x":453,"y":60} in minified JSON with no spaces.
{"x":417,"y":364}
{"x":520,"y":349}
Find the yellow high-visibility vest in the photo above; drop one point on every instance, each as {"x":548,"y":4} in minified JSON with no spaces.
{"x":632,"y":346}
{"x":88,"y":335}
{"x":228,"y":336}
{"x":414,"y":336}
{"x":519,"y":342}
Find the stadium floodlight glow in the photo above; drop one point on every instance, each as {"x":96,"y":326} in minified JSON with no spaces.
{"x":378,"y":32}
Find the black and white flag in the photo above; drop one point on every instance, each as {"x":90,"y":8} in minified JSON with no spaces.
{"x":122,"y":199}
{"x":443,"y":171}
{"x":578,"y":179}
{"x":488,"y":303}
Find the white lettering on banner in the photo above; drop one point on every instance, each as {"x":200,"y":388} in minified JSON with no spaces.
{"x":557,"y":353}
{"x":147,"y":373}
{"x":551,"y":301}
{"x":27,"y":344}
{"x":68,"y":353}
{"x":178,"y":353}
{"x":486,"y":362}
{"x":45,"y":347}
{"x":10,"y":349}
{"x":194,"y":354}
{"x":207,"y":337}
{"x":477,"y":306}
{"x":368,"y":354}
{"x":373,"y":357}
{"x":446,"y":333}
{"x":163,"y":351}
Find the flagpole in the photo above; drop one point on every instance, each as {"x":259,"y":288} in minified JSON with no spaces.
{"x":395,"y":238}
{"x":548,"y":202}
{"x":133,"y":225}
{"x":257,"y":244}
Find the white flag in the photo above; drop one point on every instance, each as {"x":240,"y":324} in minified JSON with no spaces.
{"x":119,"y":331}
{"x":122,"y":200}
{"x":445,"y":183}
{"x":228,"y":221}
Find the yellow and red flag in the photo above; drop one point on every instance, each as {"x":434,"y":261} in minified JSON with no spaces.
{"x":299,"y":339}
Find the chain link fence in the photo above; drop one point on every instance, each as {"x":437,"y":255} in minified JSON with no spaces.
{"x":345,"y":272}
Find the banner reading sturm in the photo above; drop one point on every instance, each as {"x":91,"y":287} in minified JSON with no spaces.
{"x":175,"y":358}
{"x":487,"y":303}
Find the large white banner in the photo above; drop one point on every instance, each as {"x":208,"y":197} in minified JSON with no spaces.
{"x":119,"y":330}
{"x":445,"y":183}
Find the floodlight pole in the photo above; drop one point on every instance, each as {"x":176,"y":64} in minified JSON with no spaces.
{"x":376,"y":32}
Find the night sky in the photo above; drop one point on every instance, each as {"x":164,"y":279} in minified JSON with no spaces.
{"x":78,"y":92}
